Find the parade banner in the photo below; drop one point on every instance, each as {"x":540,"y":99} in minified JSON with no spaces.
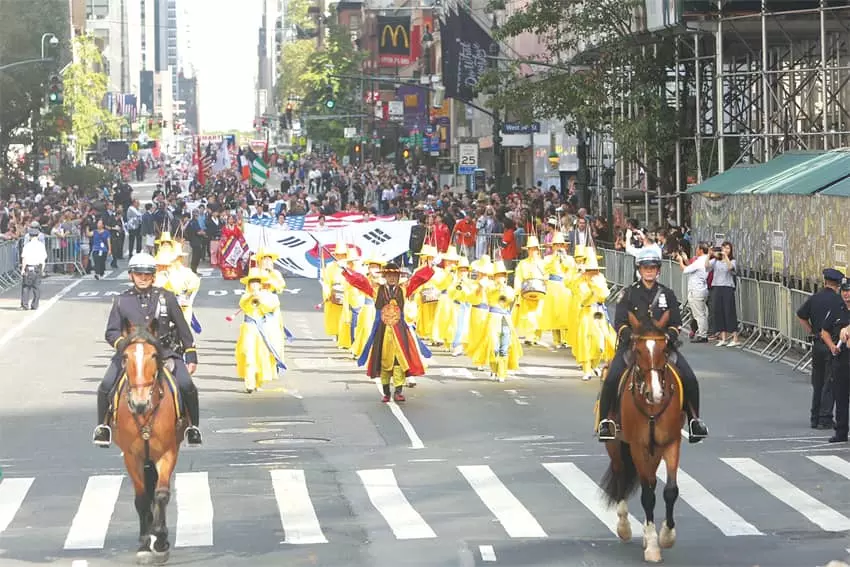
{"x":304,"y":253}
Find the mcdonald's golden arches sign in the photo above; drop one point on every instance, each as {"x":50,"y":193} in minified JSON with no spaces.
{"x":394,"y":41}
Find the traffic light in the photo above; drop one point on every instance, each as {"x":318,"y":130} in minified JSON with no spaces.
{"x":330,"y":99}
{"x":405,"y":153}
{"x":54,"y":90}
{"x":356,"y":148}
{"x":289,"y":115}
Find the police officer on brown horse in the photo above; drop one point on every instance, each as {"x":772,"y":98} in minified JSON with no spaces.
{"x":648,"y":300}
{"x":139,"y":307}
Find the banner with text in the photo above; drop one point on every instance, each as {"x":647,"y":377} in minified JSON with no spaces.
{"x":301,"y":251}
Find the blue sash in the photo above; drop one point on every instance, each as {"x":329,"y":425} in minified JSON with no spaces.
{"x":266,"y":341}
{"x":196,"y":326}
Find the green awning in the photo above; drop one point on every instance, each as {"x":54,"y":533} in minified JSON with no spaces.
{"x":840,"y":189}
{"x":791,"y":173}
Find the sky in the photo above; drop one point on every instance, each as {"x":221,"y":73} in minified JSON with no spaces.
{"x":224,"y":53}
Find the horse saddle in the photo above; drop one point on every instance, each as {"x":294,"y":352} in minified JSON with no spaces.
{"x":166,"y":376}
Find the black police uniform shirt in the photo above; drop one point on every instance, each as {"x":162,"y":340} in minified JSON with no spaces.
{"x":637,"y":299}
{"x":140,"y":309}
{"x":817,"y":307}
{"x":834,"y":322}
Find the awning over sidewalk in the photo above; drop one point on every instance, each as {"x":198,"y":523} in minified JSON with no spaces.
{"x":792,"y":173}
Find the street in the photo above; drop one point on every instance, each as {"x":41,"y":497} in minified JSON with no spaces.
{"x":315,"y":470}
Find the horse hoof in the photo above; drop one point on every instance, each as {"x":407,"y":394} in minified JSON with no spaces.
{"x":667,"y":537}
{"x":652,"y":555}
{"x":624,"y":531}
{"x":161,"y":557}
{"x":144,"y":557}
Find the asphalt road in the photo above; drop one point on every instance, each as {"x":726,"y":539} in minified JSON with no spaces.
{"x":316,"y":471}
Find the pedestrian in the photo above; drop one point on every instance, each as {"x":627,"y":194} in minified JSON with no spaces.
{"x":833,"y":325}
{"x":697,"y":274}
{"x":812,"y":315}
{"x":33,"y":259}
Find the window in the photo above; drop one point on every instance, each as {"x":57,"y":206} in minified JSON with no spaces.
{"x":97,"y":9}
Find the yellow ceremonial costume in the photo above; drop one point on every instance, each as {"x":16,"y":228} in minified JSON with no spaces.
{"x":255,"y":360}
{"x":351,"y":300}
{"x":479,"y":310}
{"x":574,"y":304}
{"x":274,"y":284}
{"x":427,"y":297}
{"x":530,"y":285}
{"x":333,"y":290}
{"x":596,"y":337}
{"x":185,"y":284}
{"x":165,"y":243}
{"x":442,"y":331}
{"x":498,"y":347}
{"x":459,"y":294}
{"x":366,"y":317}
{"x":560,"y":269}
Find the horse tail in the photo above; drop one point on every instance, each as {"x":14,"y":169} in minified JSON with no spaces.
{"x":619,"y":483}
{"x":151,"y":478}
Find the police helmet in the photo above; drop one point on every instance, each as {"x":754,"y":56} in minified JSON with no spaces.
{"x":649,"y":256}
{"x":845,"y":284}
{"x":142,"y":263}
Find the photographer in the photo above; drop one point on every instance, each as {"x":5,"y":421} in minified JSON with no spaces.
{"x":697,"y":275}
{"x":721,"y":262}
{"x":636,"y":241}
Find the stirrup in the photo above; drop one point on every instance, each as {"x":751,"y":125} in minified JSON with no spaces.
{"x":699,"y":436}
{"x":193,"y":429}
{"x":100,"y":442}
{"x":610,"y":437}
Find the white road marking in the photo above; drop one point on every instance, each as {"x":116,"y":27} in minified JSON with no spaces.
{"x":487,"y":553}
{"x":455,"y":372}
{"x":43,"y":307}
{"x":297,"y":515}
{"x":830,"y":462}
{"x":589,"y":494}
{"x":520,"y":402}
{"x":12,"y":494}
{"x":388,"y":499}
{"x":194,"y":510}
{"x":514,"y":517}
{"x":90,"y":524}
{"x":476,"y":393}
{"x":708,"y":506}
{"x":415,"y":441}
{"x":816,"y":511}
{"x":79,"y":563}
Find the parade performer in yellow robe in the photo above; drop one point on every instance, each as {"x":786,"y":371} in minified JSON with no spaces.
{"x":391,"y":352}
{"x":333,"y":290}
{"x":596,"y":337}
{"x":351,"y":301}
{"x":530,"y":286}
{"x":482,"y":269}
{"x":427,"y":297}
{"x":275,"y":283}
{"x":459,"y":293}
{"x":442,"y":331}
{"x":498,"y":347}
{"x":560,"y":271}
{"x":366,"y":318}
{"x":259,"y":349}
{"x":183,"y":283}
{"x":574,"y":305}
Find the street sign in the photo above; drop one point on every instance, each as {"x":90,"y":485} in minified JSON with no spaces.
{"x":349,"y":132}
{"x":468,"y":159}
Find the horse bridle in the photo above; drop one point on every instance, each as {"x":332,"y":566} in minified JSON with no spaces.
{"x":144,"y":427}
{"x":636,"y":370}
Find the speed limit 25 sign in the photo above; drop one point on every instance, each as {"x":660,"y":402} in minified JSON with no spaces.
{"x":468,"y":155}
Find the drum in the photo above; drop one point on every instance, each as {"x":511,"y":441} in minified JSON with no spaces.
{"x":337,"y":294}
{"x":533,"y":290}
{"x":430,"y":295}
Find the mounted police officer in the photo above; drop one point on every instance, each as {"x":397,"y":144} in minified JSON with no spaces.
{"x":648,"y":300}
{"x":139,"y":306}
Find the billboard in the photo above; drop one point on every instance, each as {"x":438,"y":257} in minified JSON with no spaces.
{"x":394,"y":41}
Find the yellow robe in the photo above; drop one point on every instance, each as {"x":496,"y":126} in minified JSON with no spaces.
{"x":459,"y":292}
{"x":596,"y":339}
{"x":365,"y":321}
{"x":426,"y":311}
{"x":183,"y":283}
{"x":527,"y":314}
{"x":332,"y":276}
{"x":276,"y":282}
{"x":560,"y":271}
{"x":499,"y":299}
{"x":445,"y":312}
{"x":354,"y":299}
{"x":479,"y":312}
{"x":254,"y":362}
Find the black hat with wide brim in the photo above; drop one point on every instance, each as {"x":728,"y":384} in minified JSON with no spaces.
{"x":391,"y":267}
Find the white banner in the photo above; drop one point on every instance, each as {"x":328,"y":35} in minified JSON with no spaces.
{"x":299,"y":249}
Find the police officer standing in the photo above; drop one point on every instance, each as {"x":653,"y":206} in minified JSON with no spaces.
{"x":812,"y":315}
{"x":831,"y":336}
{"x":648,"y":300}
{"x":33,"y":259}
{"x":140,"y":306}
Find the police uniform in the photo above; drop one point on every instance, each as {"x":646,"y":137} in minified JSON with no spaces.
{"x":832,"y":325}
{"x":140,"y":308}
{"x":649,"y":304}
{"x":815,"y":310}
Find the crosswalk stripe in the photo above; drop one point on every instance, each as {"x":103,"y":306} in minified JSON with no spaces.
{"x":90,"y":524}
{"x":388,"y":499}
{"x":589,"y":494}
{"x":297,"y":515}
{"x":708,"y":506}
{"x":12,"y":494}
{"x":194,"y":510}
{"x":514,"y":517}
{"x":816,"y":511}
{"x":829,"y":462}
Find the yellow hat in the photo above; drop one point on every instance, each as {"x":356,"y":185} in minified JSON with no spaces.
{"x":500,"y":268}
{"x":532,"y":242}
{"x":353,"y":254}
{"x":463,"y":263}
{"x":558,"y":238}
{"x":374,"y":259}
{"x":452,"y":255}
{"x":164,"y":237}
{"x":591,"y":264}
{"x":257,"y":274}
{"x":484,"y":259}
{"x":165,"y":257}
{"x":266,"y":253}
{"x":341,"y":249}
{"x":482,"y":265}
{"x":428,"y":250}
{"x":580,"y":252}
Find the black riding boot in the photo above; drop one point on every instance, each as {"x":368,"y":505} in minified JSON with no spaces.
{"x":190,"y":397}
{"x":102,"y":433}
{"x":697,"y":431}
{"x":607,"y":428}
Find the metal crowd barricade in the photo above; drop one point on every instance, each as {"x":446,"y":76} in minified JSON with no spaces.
{"x":64,"y":252}
{"x":10,"y":273}
{"x":798,"y":335}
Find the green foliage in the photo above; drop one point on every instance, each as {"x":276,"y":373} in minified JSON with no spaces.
{"x":587,"y":91}
{"x":87,"y":177}
{"x":22,"y":88}
{"x":85,"y":87}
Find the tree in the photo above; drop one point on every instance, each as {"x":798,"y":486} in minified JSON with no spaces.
{"x":85,"y":87}
{"x":611,"y":68}
{"x":22,"y":88}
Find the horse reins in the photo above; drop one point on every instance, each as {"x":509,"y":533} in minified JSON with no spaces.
{"x":665,"y":403}
{"x":145,"y":427}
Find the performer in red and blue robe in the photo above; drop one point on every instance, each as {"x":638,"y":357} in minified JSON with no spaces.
{"x":392,"y":351}
{"x":234,"y":251}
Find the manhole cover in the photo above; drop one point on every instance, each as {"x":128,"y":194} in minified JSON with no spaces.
{"x":283,"y":422}
{"x":292,"y":441}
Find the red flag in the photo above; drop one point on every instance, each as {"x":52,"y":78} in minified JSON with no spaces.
{"x":202,"y":175}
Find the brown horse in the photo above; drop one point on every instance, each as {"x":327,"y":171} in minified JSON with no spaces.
{"x":148,"y":432}
{"x":651,"y":421}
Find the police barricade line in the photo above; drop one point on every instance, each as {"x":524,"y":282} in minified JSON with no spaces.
{"x":797,"y":334}
{"x":64,"y":252}
{"x":9,"y":265}
{"x":770,"y":305}
{"x":749,"y":312}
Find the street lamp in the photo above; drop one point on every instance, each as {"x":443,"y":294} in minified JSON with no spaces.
{"x":52,"y":40}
